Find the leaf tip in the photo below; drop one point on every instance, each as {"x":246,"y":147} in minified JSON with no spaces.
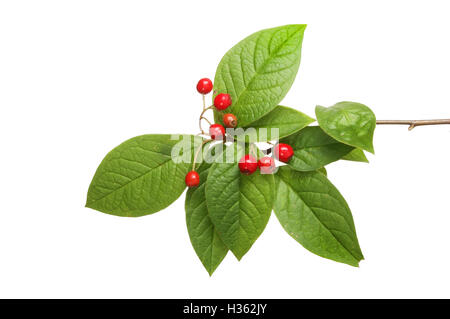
{"x":353,"y":263}
{"x":357,"y":263}
{"x":358,"y":259}
{"x":210,"y":269}
{"x":317,"y":109}
{"x":301,"y":26}
{"x":238,"y":255}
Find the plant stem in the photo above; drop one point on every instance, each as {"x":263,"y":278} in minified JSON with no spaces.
{"x":252,"y":150}
{"x":413,"y":123}
{"x":198,"y":151}
{"x":202,"y":117}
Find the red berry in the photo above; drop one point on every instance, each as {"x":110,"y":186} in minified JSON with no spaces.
{"x":283,"y":152}
{"x":248,"y":164}
{"x":229,"y":120}
{"x":217,"y":132}
{"x":266,"y":165}
{"x":192,"y":179}
{"x":222,"y":101}
{"x":204,"y":86}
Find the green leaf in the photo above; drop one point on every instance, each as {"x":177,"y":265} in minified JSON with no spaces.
{"x":239,"y":205}
{"x":357,"y":155}
{"x":314,"y":149}
{"x":323,"y":171}
{"x":348,"y":122}
{"x":280,"y":122}
{"x":139,"y":176}
{"x":259,"y":71}
{"x":315,"y":214}
{"x":204,"y":238}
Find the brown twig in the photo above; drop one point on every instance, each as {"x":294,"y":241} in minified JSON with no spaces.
{"x":413,"y":123}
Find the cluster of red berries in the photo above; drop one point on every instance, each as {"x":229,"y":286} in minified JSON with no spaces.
{"x":221,"y":102}
{"x":247,"y":164}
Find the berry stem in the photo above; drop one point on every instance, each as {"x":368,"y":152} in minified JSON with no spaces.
{"x":198,"y":151}
{"x":252,"y":150}
{"x":202,"y":117}
{"x":206,"y":109}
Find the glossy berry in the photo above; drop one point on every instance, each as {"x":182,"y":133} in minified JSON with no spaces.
{"x":222,"y":101}
{"x":248,"y":164}
{"x":229,"y":120}
{"x":217,"y":132}
{"x":283,"y":152}
{"x":192,"y":179}
{"x":204,"y":86}
{"x":266,"y":165}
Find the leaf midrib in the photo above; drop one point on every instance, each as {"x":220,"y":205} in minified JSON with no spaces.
{"x":131,"y":181}
{"x":276,"y":125}
{"x":320,"y":145}
{"x":257,"y":71}
{"x":240,"y":230}
{"x":202,"y":188}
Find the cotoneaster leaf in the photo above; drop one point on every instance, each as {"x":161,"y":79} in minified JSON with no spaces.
{"x":259,"y":71}
{"x":239,"y":205}
{"x":139,"y":176}
{"x":348,"y":122}
{"x":357,"y":155}
{"x":314,"y":213}
{"x":206,"y":242}
{"x":314,"y":149}
{"x":278,"y":123}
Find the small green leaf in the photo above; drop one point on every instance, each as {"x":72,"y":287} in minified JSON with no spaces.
{"x":204,"y":238}
{"x":280,"y":122}
{"x":139,"y":177}
{"x":259,"y":71}
{"x":314,"y":149}
{"x":357,"y":155}
{"x":315,"y":214}
{"x":348,"y":122}
{"x":239,"y":205}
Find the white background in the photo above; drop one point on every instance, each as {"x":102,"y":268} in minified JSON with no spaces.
{"x":79,"y":77}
